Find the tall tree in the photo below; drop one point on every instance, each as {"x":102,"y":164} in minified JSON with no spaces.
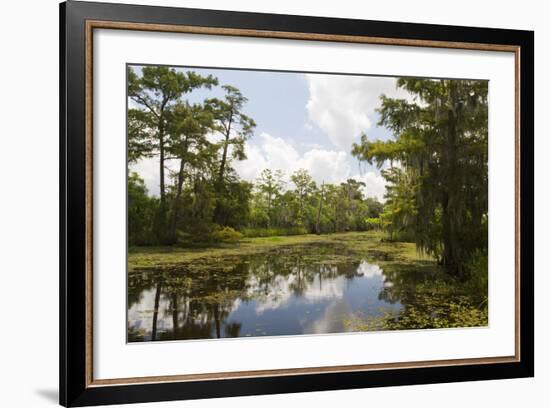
{"x":187,"y":127}
{"x":440,"y":143}
{"x":304,"y":187}
{"x":235,"y":128}
{"x":270,"y":185}
{"x":320,"y":208}
{"x":401,"y":210}
{"x":153,"y":92}
{"x":141,"y":128}
{"x":353,"y":207}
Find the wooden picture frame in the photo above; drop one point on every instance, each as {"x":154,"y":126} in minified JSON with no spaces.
{"x":78,"y":20}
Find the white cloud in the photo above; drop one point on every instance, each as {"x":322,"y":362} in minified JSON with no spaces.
{"x":148,"y":170}
{"x":275,"y":153}
{"x":375,"y":184}
{"x":326,"y":165}
{"x":341,"y":105}
{"x":329,"y":166}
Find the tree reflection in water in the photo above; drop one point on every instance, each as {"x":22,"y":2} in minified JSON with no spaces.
{"x":278,"y":293}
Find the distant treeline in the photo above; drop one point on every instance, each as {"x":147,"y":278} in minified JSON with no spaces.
{"x":267,"y":207}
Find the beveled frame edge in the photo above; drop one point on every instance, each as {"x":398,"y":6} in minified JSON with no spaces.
{"x":292,"y":35}
{"x":232,"y":375}
{"x":89,"y":384}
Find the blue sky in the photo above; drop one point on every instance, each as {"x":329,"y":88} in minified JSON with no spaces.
{"x":303,"y":121}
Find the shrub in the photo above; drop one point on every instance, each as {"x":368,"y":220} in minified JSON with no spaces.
{"x":273,"y":232}
{"x":227,"y":235}
{"x":208,"y":234}
{"x":373,"y":223}
{"x":478,"y":273}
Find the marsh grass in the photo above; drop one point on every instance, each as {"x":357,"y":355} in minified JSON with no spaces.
{"x":356,"y":245}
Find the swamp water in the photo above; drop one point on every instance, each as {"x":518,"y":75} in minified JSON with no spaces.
{"x":288,"y":291}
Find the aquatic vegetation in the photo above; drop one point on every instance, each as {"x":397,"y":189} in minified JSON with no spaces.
{"x":356,"y":244}
{"x":426,"y":312}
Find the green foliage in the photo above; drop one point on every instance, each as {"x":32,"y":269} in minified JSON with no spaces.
{"x":227,"y":235}
{"x":200,"y":233}
{"x":427,"y":312}
{"x":301,"y":203}
{"x":374,"y":207}
{"x":156,"y":91}
{"x":478,"y":272}
{"x":373,"y":224}
{"x":162,"y":125}
{"x":141,"y":212}
{"x":400,"y":210}
{"x":269,"y":187}
{"x":235,"y":128}
{"x":208,"y":233}
{"x":273,"y":232}
{"x":441,"y":301}
{"x":232,"y":204}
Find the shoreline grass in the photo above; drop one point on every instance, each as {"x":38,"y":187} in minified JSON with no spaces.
{"x":364,"y":244}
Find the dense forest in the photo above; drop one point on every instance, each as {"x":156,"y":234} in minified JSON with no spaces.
{"x":435,"y":168}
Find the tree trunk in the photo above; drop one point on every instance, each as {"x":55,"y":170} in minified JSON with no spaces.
{"x":447,"y":257}
{"x":218,"y":212}
{"x":174,"y":316}
{"x":224,"y":159}
{"x":218,"y":215}
{"x":161,"y":160}
{"x":156,"y":311}
{"x":175,"y":206}
{"x":217,"y":321}
{"x":452,"y":253}
{"x":269,"y":198}
{"x":319,"y":209}
{"x":160,"y":225}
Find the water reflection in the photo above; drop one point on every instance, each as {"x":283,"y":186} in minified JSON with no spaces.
{"x":274,"y":294}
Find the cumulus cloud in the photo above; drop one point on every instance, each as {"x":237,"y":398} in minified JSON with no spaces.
{"x":375,"y":184}
{"x":148,"y":170}
{"x":326,"y":165}
{"x":329,"y":166}
{"x":342,"y":106}
{"x":274,"y":153}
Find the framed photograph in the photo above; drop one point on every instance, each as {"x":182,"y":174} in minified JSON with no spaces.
{"x":256,"y":203}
